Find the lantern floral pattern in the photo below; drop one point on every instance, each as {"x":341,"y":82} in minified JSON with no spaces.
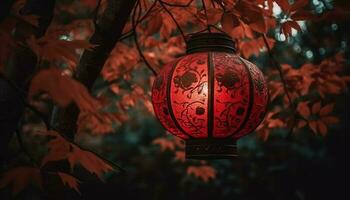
{"x":210,"y":95}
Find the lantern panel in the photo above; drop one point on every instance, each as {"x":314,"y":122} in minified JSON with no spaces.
{"x":259,"y":100}
{"x":231,"y":94}
{"x":160,"y":100}
{"x":189,"y":94}
{"x":210,"y":97}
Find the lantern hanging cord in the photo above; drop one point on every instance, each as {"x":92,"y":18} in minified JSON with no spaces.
{"x":284,"y":83}
{"x":206,"y":15}
{"x":138,"y":47}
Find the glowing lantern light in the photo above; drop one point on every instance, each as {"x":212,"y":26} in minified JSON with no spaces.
{"x":210,"y":97}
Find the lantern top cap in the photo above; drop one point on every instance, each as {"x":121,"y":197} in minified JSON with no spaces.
{"x":212,"y":41}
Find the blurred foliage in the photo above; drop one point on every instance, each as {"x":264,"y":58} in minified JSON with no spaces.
{"x":299,"y":166}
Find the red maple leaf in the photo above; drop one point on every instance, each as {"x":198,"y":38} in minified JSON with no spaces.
{"x":63,"y":89}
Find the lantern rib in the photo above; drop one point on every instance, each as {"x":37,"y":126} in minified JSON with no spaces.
{"x":210,"y":95}
{"x":168,"y":93}
{"x":251,"y":98}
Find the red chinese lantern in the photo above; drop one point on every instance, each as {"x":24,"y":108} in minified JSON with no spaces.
{"x":210,"y":97}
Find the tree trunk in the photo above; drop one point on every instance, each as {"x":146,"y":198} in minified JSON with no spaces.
{"x":107,"y":33}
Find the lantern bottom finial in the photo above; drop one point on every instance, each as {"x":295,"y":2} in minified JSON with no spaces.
{"x":211,"y":149}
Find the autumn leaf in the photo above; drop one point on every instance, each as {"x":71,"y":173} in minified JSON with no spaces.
{"x":180,"y":156}
{"x":295,"y":12}
{"x":252,"y":15}
{"x":164,"y":144}
{"x":99,"y":123}
{"x":58,"y":148}
{"x":254,"y":46}
{"x":19,"y":13}
{"x":154,"y":25}
{"x":313,"y":126}
{"x":202,"y":172}
{"x":54,"y":49}
{"x":61,"y":149}
{"x":270,"y":122}
{"x":227,"y":22}
{"x":21,"y":177}
{"x":322,"y":127}
{"x":318,"y":118}
{"x":122,"y":59}
{"x":70,"y":181}
{"x":63,"y":89}
{"x":89,"y":161}
{"x":287,"y":27}
{"x":214,"y":15}
{"x":316,"y":108}
{"x":304,"y":109}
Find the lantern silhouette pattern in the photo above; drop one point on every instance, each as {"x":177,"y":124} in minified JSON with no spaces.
{"x":210,"y":96}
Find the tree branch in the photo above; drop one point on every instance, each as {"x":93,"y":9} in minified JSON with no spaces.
{"x":5,"y":7}
{"x":107,"y":33}
{"x":173,"y":18}
{"x":134,"y":26}
{"x":284,"y":83}
{"x":21,"y":68}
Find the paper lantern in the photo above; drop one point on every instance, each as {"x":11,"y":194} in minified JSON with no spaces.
{"x":210,"y":97}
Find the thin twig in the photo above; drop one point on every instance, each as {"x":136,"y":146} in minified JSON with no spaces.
{"x":134,"y":26}
{"x":148,"y":12}
{"x":284,"y":83}
{"x":96,"y":154}
{"x":176,"y":5}
{"x":126,"y":35}
{"x":206,"y":15}
{"x":140,"y":20}
{"x":173,"y":18}
{"x":21,"y":94}
{"x":46,"y":121}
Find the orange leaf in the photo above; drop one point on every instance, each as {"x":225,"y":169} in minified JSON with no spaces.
{"x":168,"y":26}
{"x":203,"y":172}
{"x":303,"y":109}
{"x":301,"y":124}
{"x":227,"y":22}
{"x":154,"y":25}
{"x":326,"y":109}
{"x":330,"y":120}
{"x":89,"y":161}
{"x":313,"y":126}
{"x":63,"y":149}
{"x":69,"y":180}
{"x":58,"y":148}
{"x":164,"y":144}
{"x":62,"y":89}
{"x":316,"y":108}
{"x":322,"y":127}
{"x":21,"y":177}
{"x":52,"y":49}
{"x":252,"y":15}
{"x":98,"y":123}
{"x":214,"y":15}
{"x":180,"y":156}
